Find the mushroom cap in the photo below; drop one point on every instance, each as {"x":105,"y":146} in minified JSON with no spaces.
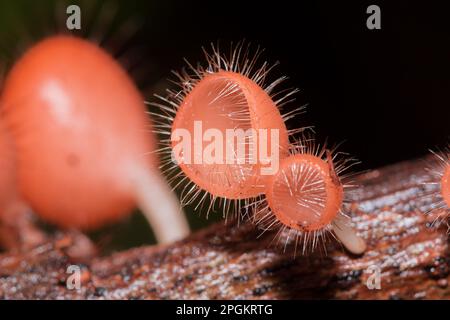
{"x":304,"y":194}
{"x":222,"y":101}
{"x":80,"y":129}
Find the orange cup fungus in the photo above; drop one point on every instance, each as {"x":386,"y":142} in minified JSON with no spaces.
{"x":440,"y":175}
{"x":303,"y":191}
{"x":226,"y":130}
{"x":227,"y":100}
{"x":305,"y":197}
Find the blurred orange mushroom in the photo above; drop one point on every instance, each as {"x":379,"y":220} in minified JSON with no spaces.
{"x":84,"y":149}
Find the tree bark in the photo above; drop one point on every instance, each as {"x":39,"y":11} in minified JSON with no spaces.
{"x":231,"y":262}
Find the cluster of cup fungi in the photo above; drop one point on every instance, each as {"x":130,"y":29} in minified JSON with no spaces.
{"x":78,"y":148}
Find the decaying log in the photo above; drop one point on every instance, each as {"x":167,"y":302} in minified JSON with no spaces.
{"x":225,"y":261}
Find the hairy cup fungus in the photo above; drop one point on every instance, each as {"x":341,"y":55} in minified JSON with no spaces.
{"x":441,"y":176}
{"x":305,"y":197}
{"x":84,"y":152}
{"x":224,"y":127}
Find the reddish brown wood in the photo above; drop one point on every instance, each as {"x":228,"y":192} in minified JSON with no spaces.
{"x":225,"y":261}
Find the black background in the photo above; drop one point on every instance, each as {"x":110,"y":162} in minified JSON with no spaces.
{"x":119,"y":309}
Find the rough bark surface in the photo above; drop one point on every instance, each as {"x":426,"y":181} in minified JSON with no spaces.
{"x":230,"y":262}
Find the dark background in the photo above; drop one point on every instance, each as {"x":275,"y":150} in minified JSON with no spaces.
{"x":385,"y":92}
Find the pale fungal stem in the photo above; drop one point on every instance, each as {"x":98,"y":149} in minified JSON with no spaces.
{"x":347,"y":235}
{"x":160,"y":206}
